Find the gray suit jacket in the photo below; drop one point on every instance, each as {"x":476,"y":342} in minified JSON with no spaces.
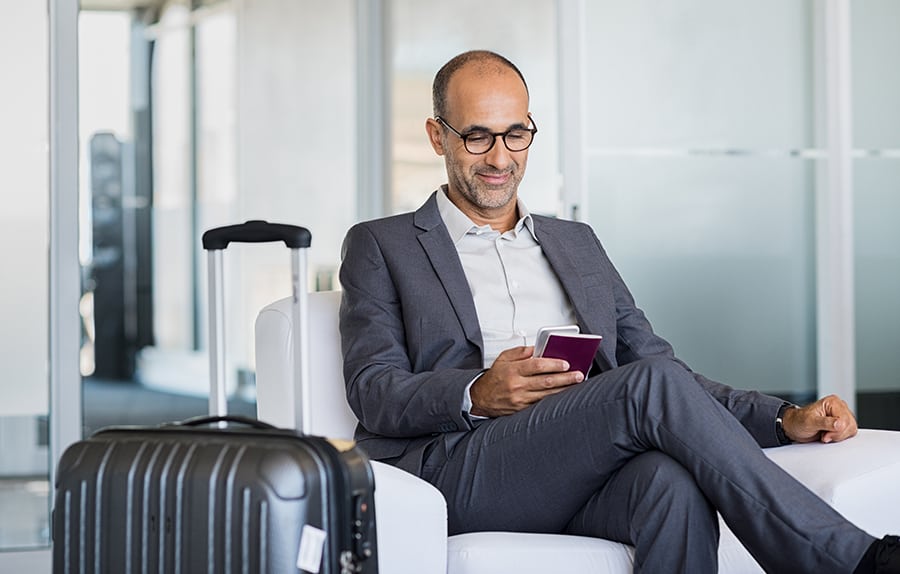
{"x":412,"y":343}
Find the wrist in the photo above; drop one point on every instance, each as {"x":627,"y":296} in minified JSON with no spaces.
{"x":470,"y":408}
{"x":785,"y":414}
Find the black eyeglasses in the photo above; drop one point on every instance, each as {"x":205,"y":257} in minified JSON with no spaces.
{"x":479,"y":142}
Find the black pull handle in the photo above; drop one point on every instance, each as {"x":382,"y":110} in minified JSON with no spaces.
{"x":257,"y":231}
{"x":237,"y":419}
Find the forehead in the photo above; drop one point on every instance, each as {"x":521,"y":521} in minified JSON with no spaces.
{"x":486,"y":94}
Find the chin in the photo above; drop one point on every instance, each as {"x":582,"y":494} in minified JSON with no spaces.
{"x":494,"y":198}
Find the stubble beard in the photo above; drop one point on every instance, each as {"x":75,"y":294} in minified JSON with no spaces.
{"x":485,"y":196}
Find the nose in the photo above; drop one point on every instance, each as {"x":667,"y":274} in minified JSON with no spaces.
{"x":498,"y":156}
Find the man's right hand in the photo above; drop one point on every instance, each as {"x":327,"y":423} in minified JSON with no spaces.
{"x":517,"y":380}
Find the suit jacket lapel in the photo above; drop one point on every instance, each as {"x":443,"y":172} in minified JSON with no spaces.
{"x":445,"y":261}
{"x":570,"y":276}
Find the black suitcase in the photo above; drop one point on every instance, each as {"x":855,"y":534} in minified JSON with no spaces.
{"x":217,"y":494}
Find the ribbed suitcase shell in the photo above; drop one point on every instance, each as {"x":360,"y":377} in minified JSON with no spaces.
{"x":190,"y":500}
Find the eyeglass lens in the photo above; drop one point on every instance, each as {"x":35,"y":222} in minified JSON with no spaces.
{"x":516,"y":139}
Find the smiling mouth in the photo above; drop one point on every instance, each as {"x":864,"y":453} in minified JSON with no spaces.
{"x":495,"y":178}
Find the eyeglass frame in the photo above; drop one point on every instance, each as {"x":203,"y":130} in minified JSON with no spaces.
{"x":494,"y":135}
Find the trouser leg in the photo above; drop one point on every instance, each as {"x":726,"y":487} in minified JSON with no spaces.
{"x":533,"y":471}
{"x":653,"y":504}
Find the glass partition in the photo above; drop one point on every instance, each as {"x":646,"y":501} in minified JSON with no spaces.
{"x":719,"y":253}
{"x":876,"y":171}
{"x":195,"y":116}
{"x":698,"y":126}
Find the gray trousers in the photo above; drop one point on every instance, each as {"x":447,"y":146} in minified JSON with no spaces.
{"x":640,"y":454}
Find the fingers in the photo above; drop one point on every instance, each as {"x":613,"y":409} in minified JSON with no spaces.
{"x":830,"y":429}
{"x":517,"y":380}
{"x":515,"y":353}
{"x":839,"y":422}
{"x":518,"y":361}
{"x":542,"y":385}
{"x":548,"y":365}
{"x":827,"y":420}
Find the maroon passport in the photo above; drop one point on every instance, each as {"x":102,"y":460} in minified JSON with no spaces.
{"x":576,"y":348}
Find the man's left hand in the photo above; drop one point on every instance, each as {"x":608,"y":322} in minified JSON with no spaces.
{"x":827,"y":420}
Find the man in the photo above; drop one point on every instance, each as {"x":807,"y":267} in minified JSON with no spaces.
{"x":439,"y":310}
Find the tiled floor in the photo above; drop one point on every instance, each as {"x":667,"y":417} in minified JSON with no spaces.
{"x":25,"y":514}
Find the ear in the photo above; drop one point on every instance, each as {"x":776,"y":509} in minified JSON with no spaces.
{"x":433,"y":129}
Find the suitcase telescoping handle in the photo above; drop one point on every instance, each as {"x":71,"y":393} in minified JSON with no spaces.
{"x":298,"y":240}
{"x":257,"y":232}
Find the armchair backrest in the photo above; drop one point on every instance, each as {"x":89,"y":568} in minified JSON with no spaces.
{"x":275,"y":393}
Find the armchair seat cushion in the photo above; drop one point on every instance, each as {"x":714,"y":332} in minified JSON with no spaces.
{"x":492,"y":552}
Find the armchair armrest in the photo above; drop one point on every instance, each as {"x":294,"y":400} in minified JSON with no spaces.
{"x":859,"y":477}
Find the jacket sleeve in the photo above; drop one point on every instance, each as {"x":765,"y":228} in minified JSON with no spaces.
{"x":393,"y":391}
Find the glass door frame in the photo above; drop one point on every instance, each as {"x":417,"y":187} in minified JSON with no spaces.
{"x":65,"y":269}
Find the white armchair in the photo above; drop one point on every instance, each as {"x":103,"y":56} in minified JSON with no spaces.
{"x":859,"y":477}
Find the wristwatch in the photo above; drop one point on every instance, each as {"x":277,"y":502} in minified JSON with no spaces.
{"x":779,"y":423}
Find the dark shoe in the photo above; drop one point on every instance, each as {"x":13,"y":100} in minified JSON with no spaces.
{"x":882,"y":557}
{"x":887,"y":555}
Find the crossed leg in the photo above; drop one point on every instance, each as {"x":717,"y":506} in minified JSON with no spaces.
{"x":545,"y":469}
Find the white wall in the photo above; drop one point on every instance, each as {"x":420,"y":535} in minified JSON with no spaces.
{"x":296,"y":71}
{"x":24,"y":195}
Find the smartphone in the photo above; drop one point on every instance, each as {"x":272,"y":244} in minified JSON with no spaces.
{"x":540,"y":342}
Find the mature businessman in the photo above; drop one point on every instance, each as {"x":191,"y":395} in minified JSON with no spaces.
{"x":439,"y":310}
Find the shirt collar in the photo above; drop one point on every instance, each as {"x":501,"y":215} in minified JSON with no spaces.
{"x":458,"y":223}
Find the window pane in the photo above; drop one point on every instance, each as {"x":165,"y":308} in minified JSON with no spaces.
{"x":718,"y":253}
{"x":703,"y":73}
{"x":719,"y":250}
{"x":876,"y":83}
{"x":243,"y":126}
{"x":877,"y":184}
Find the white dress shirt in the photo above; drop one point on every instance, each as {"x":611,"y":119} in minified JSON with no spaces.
{"x":515,"y":290}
